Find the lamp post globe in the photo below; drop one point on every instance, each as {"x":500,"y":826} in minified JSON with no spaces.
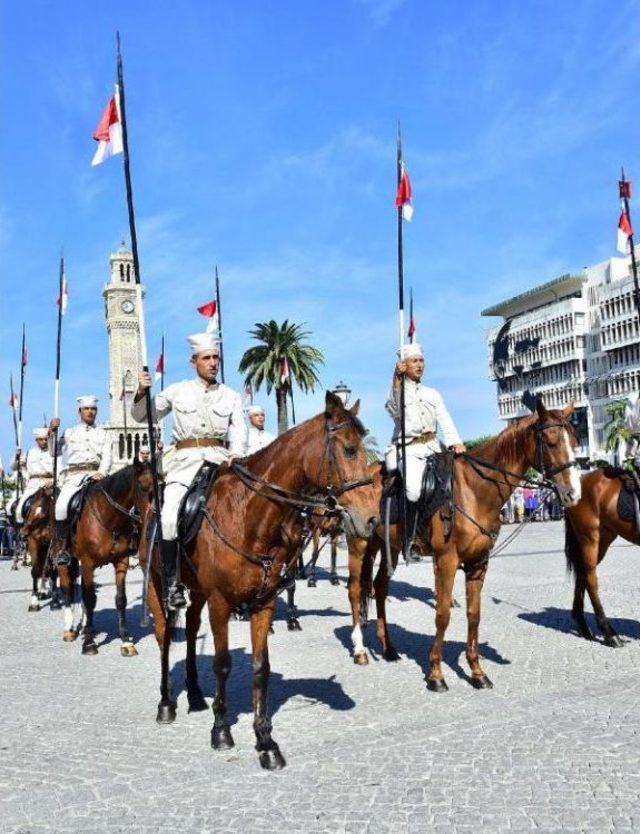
{"x":343,"y":392}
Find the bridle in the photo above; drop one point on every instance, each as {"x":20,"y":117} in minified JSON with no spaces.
{"x":548,"y":472}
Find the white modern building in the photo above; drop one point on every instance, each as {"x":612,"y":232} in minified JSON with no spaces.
{"x":573,"y":339}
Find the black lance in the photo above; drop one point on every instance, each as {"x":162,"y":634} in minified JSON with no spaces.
{"x":403,"y":437}
{"x":23,"y":365}
{"x":16,"y":436}
{"x":625,"y":193}
{"x":141,"y":321}
{"x":56,"y":384}
{"x":219,"y":309}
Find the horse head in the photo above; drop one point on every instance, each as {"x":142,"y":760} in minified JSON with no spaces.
{"x":338,"y":467}
{"x":555,"y":441}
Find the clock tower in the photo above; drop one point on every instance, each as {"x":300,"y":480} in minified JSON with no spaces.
{"x":123,"y":330}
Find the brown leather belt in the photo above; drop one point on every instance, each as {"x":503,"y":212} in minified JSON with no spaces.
{"x":41,"y":475}
{"x":83,"y":467}
{"x":427,"y":437}
{"x":199,"y":442}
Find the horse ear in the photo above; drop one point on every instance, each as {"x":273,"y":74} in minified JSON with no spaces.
{"x":568,"y":410}
{"x":332,"y":404}
{"x":355,"y":408}
{"x":540,"y":408}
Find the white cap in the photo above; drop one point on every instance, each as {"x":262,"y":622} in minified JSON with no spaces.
{"x":87,"y":401}
{"x":255,"y":409}
{"x":41,"y":433}
{"x":200,"y":342}
{"x":144,"y":449}
{"x":412,"y":350}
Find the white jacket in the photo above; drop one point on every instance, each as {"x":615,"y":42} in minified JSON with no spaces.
{"x":85,"y":445}
{"x":425,"y":411}
{"x":257,"y":439}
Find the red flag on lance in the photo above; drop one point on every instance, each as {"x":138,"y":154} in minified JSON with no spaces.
{"x":108,"y":133}
{"x":65,"y":297}
{"x":284,"y":370}
{"x":210,"y":311}
{"x":625,"y":231}
{"x":160,"y":367}
{"x":624,"y":189}
{"x":411,"y":332}
{"x":403,"y":194}
{"x":13,"y":400}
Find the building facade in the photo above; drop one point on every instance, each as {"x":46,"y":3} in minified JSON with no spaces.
{"x":573,"y":339}
{"x":125,"y":361}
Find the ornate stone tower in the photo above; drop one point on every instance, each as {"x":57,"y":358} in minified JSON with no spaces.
{"x":123,"y":330}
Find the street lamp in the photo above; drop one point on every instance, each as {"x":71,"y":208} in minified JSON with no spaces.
{"x":343,"y":392}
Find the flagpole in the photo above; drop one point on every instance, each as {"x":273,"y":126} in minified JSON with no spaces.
{"x":15,"y":432}
{"x":293,"y":407}
{"x":219,"y":309}
{"x":22,"y":367}
{"x":403,"y":437}
{"x":56,"y":384}
{"x":162,"y":365}
{"x":625,"y":193}
{"x":136,"y":270}
{"x":411,"y":334}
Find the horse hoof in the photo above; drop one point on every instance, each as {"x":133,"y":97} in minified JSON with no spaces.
{"x":89,"y":648}
{"x":294,"y":624}
{"x":221,"y":738}
{"x":55,"y":605}
{"x":361,"y":659}
{"x":311,"y":582}
{"x":334,"y":580}
{"x":613,"y":641}
{"x":43,"y":595}
{"x":482,"y":682}
{"x":272,"y":759}
{"x":197,"y":702}
{"x":33,"y":607}
{"x":128,"y":650}
{"x":437,"y":685}
{"x":166,"y":713}
{"x":69,"y":636}
{"x":390,"y":655}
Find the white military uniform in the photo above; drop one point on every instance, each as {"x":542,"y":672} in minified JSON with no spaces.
{"x":87,"y":450}
{"x":257,"y":439}
{"x":631,"y":447}
{"x":425,"y":413}
{"x":39,"y":468}
{"x":200,"y":411}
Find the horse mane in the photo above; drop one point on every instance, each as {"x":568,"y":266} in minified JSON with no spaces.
{"x":507,"y":446}
{"x":115,"y":483}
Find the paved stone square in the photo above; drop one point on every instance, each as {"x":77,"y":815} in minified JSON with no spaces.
{"x":553,"y":747}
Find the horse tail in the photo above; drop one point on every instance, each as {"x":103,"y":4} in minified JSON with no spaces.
{"x":572,"y":549}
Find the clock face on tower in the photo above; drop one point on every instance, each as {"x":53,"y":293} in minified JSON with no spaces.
{"x":127,"y":306}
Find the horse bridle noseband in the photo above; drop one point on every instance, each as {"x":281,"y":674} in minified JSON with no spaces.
{"x":548,"y":473}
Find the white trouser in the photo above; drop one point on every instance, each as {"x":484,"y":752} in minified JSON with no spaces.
{"x":33,"y":485}
{"x":417,"y":454}
{"x":181,"y":469}
{"x":72,"y":484}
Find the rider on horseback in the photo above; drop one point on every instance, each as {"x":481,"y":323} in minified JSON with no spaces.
{"x":88,"y":452}
{"x":257,"y":437}
{"x":206,"y":413}
{"x":38,"y":465}
{"x":425,"y":416}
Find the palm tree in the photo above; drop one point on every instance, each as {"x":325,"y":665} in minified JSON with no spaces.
{"x":615,"y":430}
{"x":282,"y":357}
{"x":371,"y":448}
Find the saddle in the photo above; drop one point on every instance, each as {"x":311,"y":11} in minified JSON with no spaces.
{"x":436,"y":494}
{"x":629,"y":496}
{"x":194,"y":501}
{"x":75,"y":506}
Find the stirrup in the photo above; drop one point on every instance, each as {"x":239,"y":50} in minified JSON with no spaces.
{"x":63,"y":558}
{"x":176,"y":598}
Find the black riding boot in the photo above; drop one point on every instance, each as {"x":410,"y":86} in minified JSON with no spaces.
{"x":62,"y":537}
{"x":175,"y":590}
{"x":411,"y":520}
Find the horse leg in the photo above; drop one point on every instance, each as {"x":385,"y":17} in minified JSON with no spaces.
{"x":381,"y":590}
{"x":67,"y":586}
{"x":36,"y":573}
{"x":127,"y":649}
{"x":219,"y":612}
{"x":577,"y":611}
{"x":55,"y":604}
{"x":474,"y":580}
{"x":312,"y":581}
{"x":592,"y":558}
{"x":333,"y":576}
{"x":269,"y":753}
{"x":293,"y":623}
{"x":89,"y":605}
{"x":302,"y":574}
{"x":166,"y":713}
{"x":446,"y":573}
{"x":454,"y":601}
{"x":195,"y":697}
{"x":357,"y":554}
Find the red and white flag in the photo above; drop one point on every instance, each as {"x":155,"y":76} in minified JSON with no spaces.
{"x":284,"y":370}
{"x":159,"y":367}
{"x":25,"y":357}
{"x":13,"y":401}
{"x":65,"y":297}
{"x":210,"y":311}
{"x":108,"y":133}
{"x":403,"y":194}
{"x":624,"y":233}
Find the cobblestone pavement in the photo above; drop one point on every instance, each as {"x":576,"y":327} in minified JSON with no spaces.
{"x":553,"y":747}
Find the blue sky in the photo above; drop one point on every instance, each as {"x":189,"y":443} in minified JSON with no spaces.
{"x":262,"y":138}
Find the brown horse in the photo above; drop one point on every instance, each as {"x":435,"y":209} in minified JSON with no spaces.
{"x":37,"y":532}
{"x":483,"y":481}
{"x":107,"y":533}
{"x":590,"y":528}
{"x":248,"y":545}
{"x":331,"y":528}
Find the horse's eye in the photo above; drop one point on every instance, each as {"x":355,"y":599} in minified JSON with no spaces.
{"x":350,"y":451}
